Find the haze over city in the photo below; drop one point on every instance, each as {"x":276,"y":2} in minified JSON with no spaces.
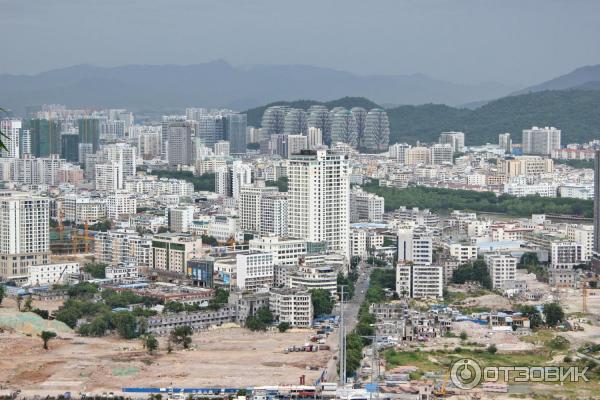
{"x":508,"y":42}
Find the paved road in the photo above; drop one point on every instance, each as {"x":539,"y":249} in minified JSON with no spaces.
{"x":350,"y":320}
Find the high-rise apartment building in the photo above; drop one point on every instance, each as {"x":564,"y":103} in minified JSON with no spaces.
{"x":11,"y":129}
{"x":180,"y":218}
{"x":250,"y":205}
{"x":89,"y":136}
{"x":365,"y":207}
{"x":455,"y":139}
{"x":318,"y":193}
{"x":441,"y":154}
{"x":398,"y":152}
{"x":230,"y":178}
{"x":45,"y":137}
{"x":179,"y":144}
{"x":24,"y":234}
{"x":70,"y":147}
{"x":315,"y":137}
{"x":296,"y":143}
{"x":505,"y":142}
{"x":541,"y":141}
{"x":501,"y":268}
{"x":108,"y":176}
{"x":235,"y":132}
{"x":377,"y":130}
{"x":415,"y":247}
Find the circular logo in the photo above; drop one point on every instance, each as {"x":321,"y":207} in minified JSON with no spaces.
{"x":465,"y":373}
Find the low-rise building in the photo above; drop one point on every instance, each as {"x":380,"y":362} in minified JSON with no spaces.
{"x":293,"y":306}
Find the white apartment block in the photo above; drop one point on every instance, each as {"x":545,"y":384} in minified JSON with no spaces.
{"x":108,"y":177}
{"x":229,"y":179}
{"x":318,"y":193}
{"x":79,"y":209}
{"x":120,"y":203}
{"x":287,"y":251}
{"x":418,"y":156}
{"x":541,"y":140}
{"x":463,"y":252}
{"x":24,"y":234}
{"x":521,"y":188}
{"x":11,"y":128}
{"x":180,"y":218}
{"x":565,"y":255}
{"x":123,"y":154}
{"x":123,"y":247}
{"x":249,"y":205}
{"x":583,"y":235}
{"x":441,"y":154}
{"x":501,"y":268}
{"x":296,"y":143}
{"x":122,"y":272}
{"x":156,"y":187}
{"x":50,"y":274}
{"x":366,"y":207}
{"x":415,"y":247}
{"x":223,"y":228}
{"x":255,"y":270}
{"x":274,"y":214}
{"x":455,"y":139}
{"x":398,"y":152}
{"x":419,"y":281}
{"x":292,"y":306}
{"x":222,"y":148}
{"x":362,"y":241}
{"x":36,"y":171}
{"x":314,"y":138}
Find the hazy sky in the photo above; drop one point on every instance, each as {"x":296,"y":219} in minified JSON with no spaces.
{"x":508,"y":41}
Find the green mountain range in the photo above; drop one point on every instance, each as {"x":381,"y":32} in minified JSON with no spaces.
{"x":575,"y":112}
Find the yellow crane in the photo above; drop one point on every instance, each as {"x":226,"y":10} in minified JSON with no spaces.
{"x":585,"y":283}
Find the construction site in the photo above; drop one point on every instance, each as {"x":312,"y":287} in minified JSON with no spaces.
{"x":77,"y":364}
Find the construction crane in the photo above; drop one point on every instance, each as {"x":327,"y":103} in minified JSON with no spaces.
{"x":86,"y":237}
{"x":60,"y":227}
{"x":441,"y":391}
{"x":584,"y":291}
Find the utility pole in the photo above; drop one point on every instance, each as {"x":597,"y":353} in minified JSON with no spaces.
{"x":342,"y":333}
{"x":374,"y":362}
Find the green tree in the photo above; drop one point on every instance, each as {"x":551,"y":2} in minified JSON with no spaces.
{"x":553,"y":314}
{"x":254,"y":324}
{"x":322,"y":301}
{"x":126,"y":324}
{"x":28,"y":304}
{"x":265,"y":315}
{"x":182,"y":335}
{"x":150,"y":343}
{"x":2,"y":293}
{"x":209,"y":240}
{"x":19,"y":301}
{"x":283,"y":326}
{"x":492,"y":349}
{"x":96,"y":270}
{"x":463,"y":335}
{"x":535,"y":319}
{"x":46,"y":337}
{"x":219,"y":300}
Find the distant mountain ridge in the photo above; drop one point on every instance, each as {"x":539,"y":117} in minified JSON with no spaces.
{"x":219,"y":84}
{"x":587,"y":77}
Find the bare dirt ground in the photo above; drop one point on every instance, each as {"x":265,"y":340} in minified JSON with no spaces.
{"x":232,"y":357}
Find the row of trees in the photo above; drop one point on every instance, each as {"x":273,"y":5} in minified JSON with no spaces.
{"x":205,"y":182}
{"x":449,"y":199}
{"x":475,"y":271}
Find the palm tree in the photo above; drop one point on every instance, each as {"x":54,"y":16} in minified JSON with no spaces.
{"x":46,"y":336}
{"x":2,"y":146}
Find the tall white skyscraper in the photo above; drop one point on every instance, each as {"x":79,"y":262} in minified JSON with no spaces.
{"x":24,"y":234}
{"x":318,"y":198}
{"x":230,"y":178}
{"x":505,"y":142}
{"x":11,"y":129}
{"x":541,"y":140}
{"x":123,"y":154}
{"x":315,"y":137}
